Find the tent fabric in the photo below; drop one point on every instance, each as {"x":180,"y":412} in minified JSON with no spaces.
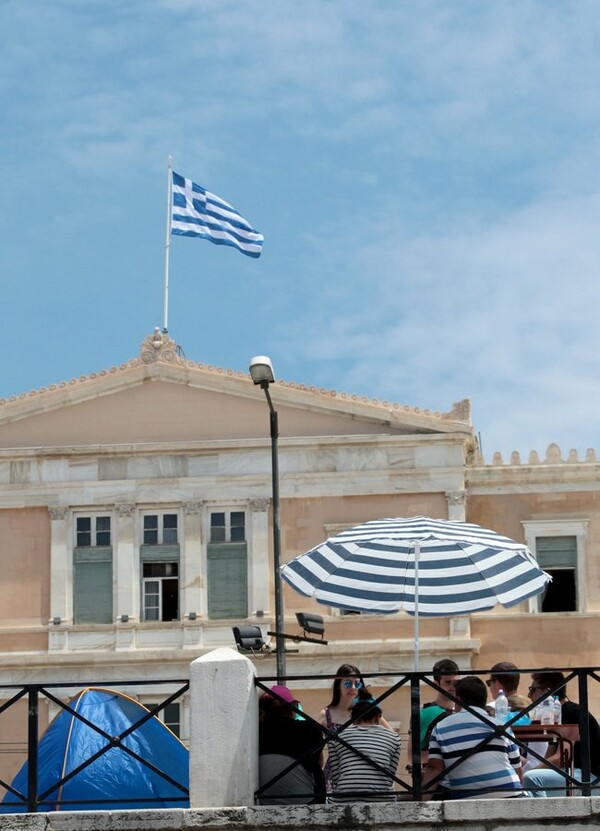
{"x":116,"y":779}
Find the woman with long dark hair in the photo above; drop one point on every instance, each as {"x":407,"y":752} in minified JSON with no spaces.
{"x":348,"y":685}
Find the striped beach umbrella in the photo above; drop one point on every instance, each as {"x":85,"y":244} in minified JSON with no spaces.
{"x":426,"y":567}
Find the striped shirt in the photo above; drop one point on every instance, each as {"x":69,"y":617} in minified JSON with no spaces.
{"x":350,"y":772}
{"x":487,"y":774}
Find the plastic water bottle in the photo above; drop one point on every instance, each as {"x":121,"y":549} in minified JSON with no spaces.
{"x":557,"y":710}
{"x":502,"y":708}
{"x":547,"y":711}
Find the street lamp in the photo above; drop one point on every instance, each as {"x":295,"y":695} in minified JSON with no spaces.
{"x":261,"y":372}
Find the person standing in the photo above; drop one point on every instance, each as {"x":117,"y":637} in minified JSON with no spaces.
{"x":493,"y":771}
{"x":444,"y":675}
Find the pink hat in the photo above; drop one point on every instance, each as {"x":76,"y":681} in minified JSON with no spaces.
{"x":283,"y":692}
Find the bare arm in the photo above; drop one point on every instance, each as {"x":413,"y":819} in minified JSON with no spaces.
{"x":433,"y":768}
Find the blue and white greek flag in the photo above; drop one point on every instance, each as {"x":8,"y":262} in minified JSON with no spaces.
{"x":198,"y":213}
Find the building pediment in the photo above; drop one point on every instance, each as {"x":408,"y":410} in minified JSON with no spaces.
{"x":161,"y":397}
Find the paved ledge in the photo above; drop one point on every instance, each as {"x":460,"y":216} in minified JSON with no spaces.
{"x":473,"y":815}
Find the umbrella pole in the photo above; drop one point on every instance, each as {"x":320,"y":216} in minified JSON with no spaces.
{"x":416,"y":615}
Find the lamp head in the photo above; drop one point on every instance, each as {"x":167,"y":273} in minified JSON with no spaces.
{"x":261,"y":370}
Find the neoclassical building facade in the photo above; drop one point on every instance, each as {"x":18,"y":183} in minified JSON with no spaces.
{"x":136,"y":527}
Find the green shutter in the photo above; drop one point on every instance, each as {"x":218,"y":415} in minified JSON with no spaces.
{"x":556,"y":552}
{"x":159,"y":553}
{"x":92,"y":585}
{"x":227,"y":580}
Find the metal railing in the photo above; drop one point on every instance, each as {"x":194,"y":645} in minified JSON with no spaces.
{"x":414,"y":789}
{"x":31,"y":800}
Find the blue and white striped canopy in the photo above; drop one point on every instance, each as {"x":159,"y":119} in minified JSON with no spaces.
{"x":461,"y":568}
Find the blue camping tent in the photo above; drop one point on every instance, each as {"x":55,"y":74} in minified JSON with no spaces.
{"x":116,"y":778}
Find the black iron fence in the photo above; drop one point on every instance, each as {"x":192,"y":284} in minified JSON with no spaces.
{"x":412,"y":786}
{"x":31,"y":799}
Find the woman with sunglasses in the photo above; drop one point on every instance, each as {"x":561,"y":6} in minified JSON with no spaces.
{"x":348,"y":685}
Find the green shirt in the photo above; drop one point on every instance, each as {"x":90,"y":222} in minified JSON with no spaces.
{"x":430,"y":715}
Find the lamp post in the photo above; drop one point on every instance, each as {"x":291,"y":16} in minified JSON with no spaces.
{"x":261,"y":372}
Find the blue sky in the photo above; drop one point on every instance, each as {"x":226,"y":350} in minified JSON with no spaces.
{"x":426,"y":175}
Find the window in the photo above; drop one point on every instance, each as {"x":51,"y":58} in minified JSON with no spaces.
{"x":227,"y":566}
{"x":159,"y":529}
{"x":558,"y":557}
{"x":228,"y":526}
{"x":92,"y":531}
{"x":559,"y":546}
{"x":171,"y":715}
{"x":161,"y":590}
{"x":92,"y":570}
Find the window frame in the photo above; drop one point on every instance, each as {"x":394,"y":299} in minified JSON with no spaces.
{"x":227,"y":512}
{"x":93,"y":516}
{"x":577,"y":528}
{"x":160,"y":530}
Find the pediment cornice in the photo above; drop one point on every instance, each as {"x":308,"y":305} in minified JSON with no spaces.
{"x":160,"y":360}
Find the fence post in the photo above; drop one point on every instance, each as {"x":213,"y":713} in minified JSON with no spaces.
{"x":584,"y":731}
{"x":223,"y":730}
{"x":32,"y":749}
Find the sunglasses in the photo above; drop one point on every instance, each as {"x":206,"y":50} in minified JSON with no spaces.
{"x":348,"y":685}
{"x":533,"y":689}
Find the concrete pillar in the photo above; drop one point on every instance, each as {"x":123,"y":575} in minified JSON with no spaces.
{"x":61,"y":567}
{"x":125,"y":563}
{"x":258,"y":576}
{"x":193,"y":592}
{"x":223,"y":730}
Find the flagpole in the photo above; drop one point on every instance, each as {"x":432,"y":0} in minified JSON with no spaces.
{"x":167,"y":245}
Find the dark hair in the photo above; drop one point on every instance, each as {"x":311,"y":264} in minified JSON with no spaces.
{"x":444,"y":667}
{"x":345,"y":671}
{"x":508,"y":678}
{"x":270,"y":707}
{"x":365,"y":709}
{"x":549,"y":678}
{"x":471,"y":691}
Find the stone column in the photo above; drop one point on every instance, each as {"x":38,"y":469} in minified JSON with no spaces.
{"x":259,"y":566}
{"x":125,"y":563}
{"x":223,"y":730}
{"x":457,"y":501}
{"x":61,"y":567}
{"x":193,"y":585}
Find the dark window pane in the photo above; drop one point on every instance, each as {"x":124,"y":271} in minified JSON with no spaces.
{"x":170,"y":536}
{"x":172,"y":718}
{"x":561,"y":594}
{"x":151,"y":529}
{"x":217,"y":534}
{"x":170,"y":599}
{"x":238,"y":526}
{"x":170,"y":521}
{"x":217,"y":518}
{"x":103,"y":538}
{"x":84,"y":535}
{"x":103,"y":523}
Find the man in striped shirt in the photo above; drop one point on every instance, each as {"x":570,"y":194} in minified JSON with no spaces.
{"x":494,"y":770}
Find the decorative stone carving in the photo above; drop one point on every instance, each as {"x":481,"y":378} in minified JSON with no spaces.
{"x":58,"y":513}
{"x":553,"y":454}
{"x":259,"y":505}
{"x":193,"y":507}
{"x":159,"y":347}
{"x":461,"y":411}
{"x":456,"y":497}
{"x":125,"y":509}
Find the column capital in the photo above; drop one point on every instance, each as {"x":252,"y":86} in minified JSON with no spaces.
{"x":259,"y":505}
{"x":193,"y":507}
{"x":58,"y":512}
{"x":125,"y":509}
{"x":456,"y":497}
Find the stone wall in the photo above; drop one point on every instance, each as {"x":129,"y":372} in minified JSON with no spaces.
{"x":477,"y":815}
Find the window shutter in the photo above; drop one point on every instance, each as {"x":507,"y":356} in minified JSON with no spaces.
{"x":159,"y":553}
{"x":227,"y":580}
{"x":556,"y":552}
{"x":92,"y":585}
